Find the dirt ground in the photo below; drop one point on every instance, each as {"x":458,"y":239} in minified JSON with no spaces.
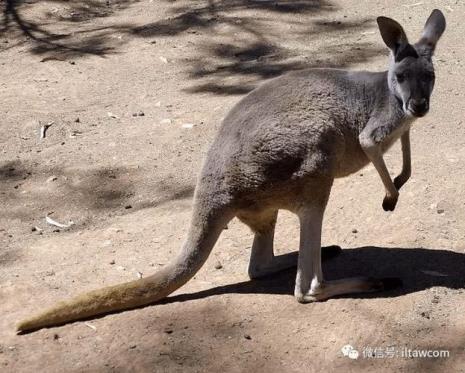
{"x":134,"y":92}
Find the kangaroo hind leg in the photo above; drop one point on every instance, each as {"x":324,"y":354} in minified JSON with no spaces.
{"x":263,"y":262}
{"x":310,"y":285}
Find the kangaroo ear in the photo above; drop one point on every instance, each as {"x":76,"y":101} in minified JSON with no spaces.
{"x":392,"y":33}
{"x":394,"y":36}
{"x":434,"y":27}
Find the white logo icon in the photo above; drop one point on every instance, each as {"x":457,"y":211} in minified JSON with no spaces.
{"x":350,"y":352}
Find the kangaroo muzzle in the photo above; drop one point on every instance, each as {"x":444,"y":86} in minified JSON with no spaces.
{"x":418,"y":107}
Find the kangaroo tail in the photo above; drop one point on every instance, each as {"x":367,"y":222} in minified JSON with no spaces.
{"x":205,"y":229}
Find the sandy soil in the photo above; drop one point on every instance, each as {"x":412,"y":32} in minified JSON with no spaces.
{"x":136,"y":91}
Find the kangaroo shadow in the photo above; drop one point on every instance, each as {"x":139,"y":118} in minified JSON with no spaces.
{"x":418,"y":268}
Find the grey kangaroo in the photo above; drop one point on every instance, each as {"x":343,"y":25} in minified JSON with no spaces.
{"x":281,"y":147}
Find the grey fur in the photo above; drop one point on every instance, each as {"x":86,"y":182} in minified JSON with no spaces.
{"x":281,"y":147}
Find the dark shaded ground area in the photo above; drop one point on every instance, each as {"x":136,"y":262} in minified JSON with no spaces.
{"x":94,"y":190}
{"x":418,"y":269}
{"x":41,"y":40}
{"x":67,"y":33}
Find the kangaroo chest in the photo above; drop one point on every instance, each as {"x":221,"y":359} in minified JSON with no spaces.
{"x":354,"y":158}
{"x":403,"y":126}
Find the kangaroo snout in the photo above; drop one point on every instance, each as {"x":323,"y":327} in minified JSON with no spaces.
{"x":418,"y":107}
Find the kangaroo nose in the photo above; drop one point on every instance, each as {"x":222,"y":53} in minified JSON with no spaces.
{"x":419,"y":106}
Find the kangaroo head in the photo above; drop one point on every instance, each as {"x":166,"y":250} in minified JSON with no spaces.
{"x":411,"y":71}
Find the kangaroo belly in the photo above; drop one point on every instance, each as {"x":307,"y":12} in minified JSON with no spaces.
{"x":351,"y":160}
{"x":351,"y":163}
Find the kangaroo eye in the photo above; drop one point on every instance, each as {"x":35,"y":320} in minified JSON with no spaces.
{"x":400,"y":77}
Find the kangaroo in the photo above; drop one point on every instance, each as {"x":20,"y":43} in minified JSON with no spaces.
{"x":281,"y":147}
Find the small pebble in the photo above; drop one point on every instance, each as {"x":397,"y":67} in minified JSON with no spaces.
{"x":425,"y":315}
{"x":247,"y":336}
{"x":354,"y":231}
{"x":441,"y":207}
{"x":132,"y":347}
{"x":127,"y":207}
{"x":218,"y":265}
{"x":112,"y":261}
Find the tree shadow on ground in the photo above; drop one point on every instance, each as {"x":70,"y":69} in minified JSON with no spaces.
{"x":84,"y":195}
{"x":74,"y":16}
{"x":204,"y":14}
{"x":238,"y":43}
{"x":13,"y":171}
{"x":418,"y":268}
{"x":81,"y":192}
{"x":242,"y":46}
{"x":75,"y":40}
